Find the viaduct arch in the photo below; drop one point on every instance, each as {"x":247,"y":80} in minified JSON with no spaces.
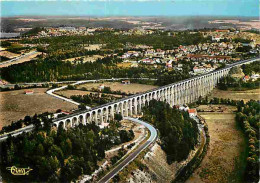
{"x":179,"y":93}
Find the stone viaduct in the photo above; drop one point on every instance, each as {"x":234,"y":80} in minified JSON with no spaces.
{"x":179,"y":93}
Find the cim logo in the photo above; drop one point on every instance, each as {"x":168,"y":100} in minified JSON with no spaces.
{"x":19,"y":171}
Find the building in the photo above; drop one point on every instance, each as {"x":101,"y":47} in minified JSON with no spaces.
{"x":56,"y":115}
{"x":246,"y":78}
{"x":28,"y":92}
{"x":169,"y":64}
{"x":254,"y":77}
{"x":184,"y":108}
{"x":223,"y":30}
{"x":67,"y":29}
{"x":101,"y":87}
{"x":192,"y":112}
{"x":126,"y":82}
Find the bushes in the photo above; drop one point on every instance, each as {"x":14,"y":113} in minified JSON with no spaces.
{"x":91,"y":99}
{"x":117,"y":157}
{"x":126,"y":136}
{"x":71,"y":87}
{"x":229,"y":82}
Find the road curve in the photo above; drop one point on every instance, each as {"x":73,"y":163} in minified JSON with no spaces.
{"x":134,"y":154}
{"x":51,"y":91}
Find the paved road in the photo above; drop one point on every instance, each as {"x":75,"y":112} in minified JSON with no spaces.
{"x":16,"y":132}
{"x":50,"y":92}
{"x":134,"y":154}
{"x":17,"y":58}
{"x":71,"y":82}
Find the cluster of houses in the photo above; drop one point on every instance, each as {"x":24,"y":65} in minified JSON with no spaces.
{"x":192,"y":112}
{"x":225,"y":34}
{"x":200,"y":55}
{"x":203,"y":68}
{"x":253,"y":77}
{"x":211,"y":50}
{"x":61,"y":31}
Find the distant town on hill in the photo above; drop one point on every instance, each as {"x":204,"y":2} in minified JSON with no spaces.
{"x":21,"y":24}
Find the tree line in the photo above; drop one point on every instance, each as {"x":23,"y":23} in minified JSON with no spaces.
{"x":93,"y":99}
{"x":54,"y":70}
{"x":113,"y":41}
{"x":230,"y":82}
{"x":247,"y":117}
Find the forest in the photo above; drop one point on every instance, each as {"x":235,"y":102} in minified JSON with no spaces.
{"x":54,"y":70}
{"x":249,"y":69}
{"x":174,"y":126}
{"x":115,"y":41}
{"x":59,"y":155}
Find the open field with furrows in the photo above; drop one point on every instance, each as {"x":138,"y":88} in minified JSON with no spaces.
{"x":223,"y":162}
{"x":237,"y":95}
{"x":115,"y":86}
{"x":16,"y":105}
{"x":69,"y":93}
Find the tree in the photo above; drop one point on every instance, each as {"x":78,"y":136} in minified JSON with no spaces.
{"x":27,"y":120}
{"x":36,"y":122}
{"x":17,"y":87}
{"x":40,"y":150}
{"x":118,"y":117}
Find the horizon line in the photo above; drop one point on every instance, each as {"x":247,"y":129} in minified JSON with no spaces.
{"x":139,"y":16}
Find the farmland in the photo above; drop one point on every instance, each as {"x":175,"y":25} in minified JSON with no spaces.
{"x":16,"y":105}
{"x":115,"y":86}
{"x":224,"y":160}
{"x":236,"y":95}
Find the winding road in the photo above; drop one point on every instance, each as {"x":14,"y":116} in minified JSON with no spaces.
{"x":133,"y":155}
{"x":51,"y":92}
